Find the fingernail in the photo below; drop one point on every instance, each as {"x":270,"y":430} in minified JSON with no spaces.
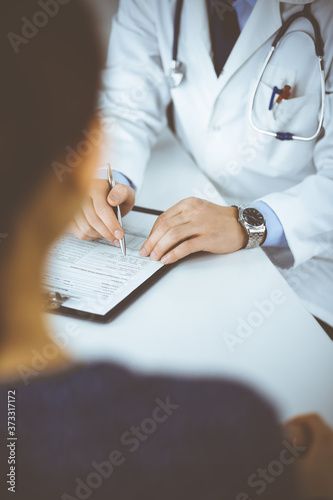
{"x":116,"y":242}
{"x":153,"y":256}
{"x":164,"y":260}
{"x":118,"y":234}
{"x":115,"y":198}
{"x":143,"y":252}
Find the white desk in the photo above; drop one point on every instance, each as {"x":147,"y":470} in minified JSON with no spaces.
{"x":180,"y":324}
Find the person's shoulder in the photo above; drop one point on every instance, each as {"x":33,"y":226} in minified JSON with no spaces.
{"x":85,"y":379}
{"x":74,"y":377}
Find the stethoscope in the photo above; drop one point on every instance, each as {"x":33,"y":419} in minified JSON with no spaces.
{"x":177,"y":71}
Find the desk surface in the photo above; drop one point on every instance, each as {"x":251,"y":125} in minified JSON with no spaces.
{"x":230,"y":315}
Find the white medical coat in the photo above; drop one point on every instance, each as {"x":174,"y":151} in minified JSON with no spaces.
{"x":211,"y":119}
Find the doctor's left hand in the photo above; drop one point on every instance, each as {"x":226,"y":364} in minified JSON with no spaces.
{"x":194,"y":225}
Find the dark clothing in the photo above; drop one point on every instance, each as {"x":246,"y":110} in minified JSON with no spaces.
{"x":103,"y":432}
{"x":224,"y":32}
{"x":328,"y":329}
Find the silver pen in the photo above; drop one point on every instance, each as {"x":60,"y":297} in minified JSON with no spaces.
{"x":112,"y":184}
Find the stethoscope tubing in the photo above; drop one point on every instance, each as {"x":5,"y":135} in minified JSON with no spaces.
{"x":319,"y":49}
{"x":177,"y":22}
{"x":306,"y":12}
{"x":178,"y":67}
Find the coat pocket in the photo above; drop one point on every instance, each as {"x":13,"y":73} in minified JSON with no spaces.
{"x":297,"y":115}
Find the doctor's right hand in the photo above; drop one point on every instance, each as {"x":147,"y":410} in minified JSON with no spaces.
{"x":97,"y":219}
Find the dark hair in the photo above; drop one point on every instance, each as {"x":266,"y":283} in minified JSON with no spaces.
{"x":50,"y":65}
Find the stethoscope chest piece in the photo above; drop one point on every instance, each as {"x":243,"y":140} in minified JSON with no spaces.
{"x":176,"y":74}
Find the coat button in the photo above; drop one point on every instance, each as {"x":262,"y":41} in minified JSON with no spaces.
{"x":217,"y":128}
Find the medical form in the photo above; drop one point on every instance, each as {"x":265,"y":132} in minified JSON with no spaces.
{"x":93,"y":275}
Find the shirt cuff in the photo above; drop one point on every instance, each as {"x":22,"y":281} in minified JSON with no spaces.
{"x":275,"y":232}
{"x":122,"y":179}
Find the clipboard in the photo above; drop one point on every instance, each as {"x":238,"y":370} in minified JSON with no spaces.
{"x":55,"y":301}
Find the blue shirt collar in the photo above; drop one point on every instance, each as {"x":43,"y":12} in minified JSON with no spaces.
{"x":252,"y":2}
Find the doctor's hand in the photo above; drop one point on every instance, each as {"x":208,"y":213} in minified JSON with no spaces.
{"x":194,"y":225}
{"x":96,"y":218}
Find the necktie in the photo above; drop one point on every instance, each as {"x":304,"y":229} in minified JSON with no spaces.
{"x":224,"y":31}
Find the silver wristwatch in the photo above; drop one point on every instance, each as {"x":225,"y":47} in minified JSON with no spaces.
{"x":254,"y":223}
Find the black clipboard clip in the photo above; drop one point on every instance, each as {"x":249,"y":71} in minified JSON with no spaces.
{"x":53,"y":301}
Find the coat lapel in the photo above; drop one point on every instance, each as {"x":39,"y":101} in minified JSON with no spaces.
{"x":195,"y":39}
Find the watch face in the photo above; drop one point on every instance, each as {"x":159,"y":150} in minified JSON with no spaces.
{"x":253,"y":217}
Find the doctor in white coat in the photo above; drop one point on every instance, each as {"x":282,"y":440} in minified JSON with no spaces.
{"x":286,"y":186}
